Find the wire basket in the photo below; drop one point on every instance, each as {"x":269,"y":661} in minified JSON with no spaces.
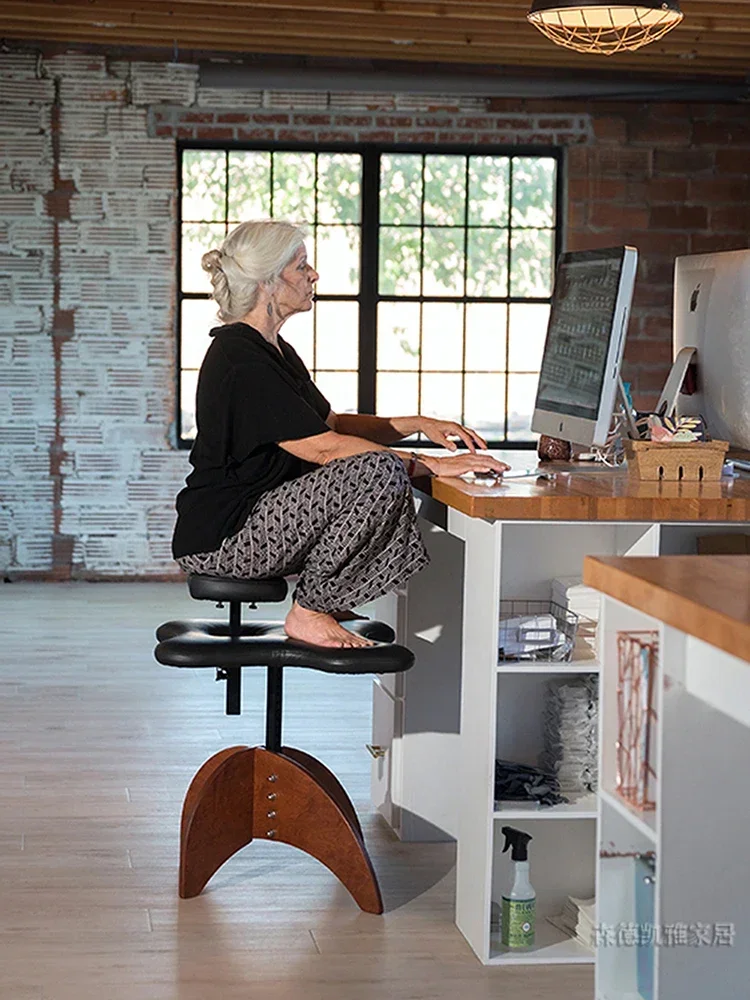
{"x":536,"y":630}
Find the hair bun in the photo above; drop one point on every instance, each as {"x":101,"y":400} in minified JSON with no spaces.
{"x":211,"y":261}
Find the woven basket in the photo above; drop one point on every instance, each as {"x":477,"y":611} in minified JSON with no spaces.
{"x":692,"y":462}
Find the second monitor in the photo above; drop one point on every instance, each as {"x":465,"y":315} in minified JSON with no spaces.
{"x":580,"y":369}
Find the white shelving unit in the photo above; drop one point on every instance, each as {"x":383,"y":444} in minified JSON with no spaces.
{"x":697,"y":832}
{"x":458,"y":710}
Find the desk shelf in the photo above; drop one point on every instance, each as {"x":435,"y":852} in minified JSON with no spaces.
{"x":552,"y":945}
{"x":459,"y":709}
{"x":584,"y":807}
{"x":549,"y":668}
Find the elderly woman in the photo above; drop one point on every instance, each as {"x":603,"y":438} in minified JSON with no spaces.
{"x":280,"y":483}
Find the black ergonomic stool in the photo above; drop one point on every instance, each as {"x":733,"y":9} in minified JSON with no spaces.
{"x":272,"y":792}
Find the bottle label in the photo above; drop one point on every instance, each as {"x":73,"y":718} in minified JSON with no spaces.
{"x":518,"y":922}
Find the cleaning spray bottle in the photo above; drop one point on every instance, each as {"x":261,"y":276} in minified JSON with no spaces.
{"x":519,"y":905}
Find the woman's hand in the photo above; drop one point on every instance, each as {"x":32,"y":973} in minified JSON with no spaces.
{"x":458,"y":465}
{"x":443,"y":432}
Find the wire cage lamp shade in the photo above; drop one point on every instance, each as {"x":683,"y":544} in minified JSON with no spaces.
{"x":604,"y":26}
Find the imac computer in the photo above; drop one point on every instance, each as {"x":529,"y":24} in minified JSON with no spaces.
{"x":580,"y":371}
{"x":712,"y":314}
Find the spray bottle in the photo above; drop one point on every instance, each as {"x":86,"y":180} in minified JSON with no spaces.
{"x":519,"y":904}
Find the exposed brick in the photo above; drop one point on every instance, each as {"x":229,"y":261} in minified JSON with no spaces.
{"x":381,"y":135}
{"x":731,"y":219}
{"x":434,"y":121}
{"x":658,"y":327}
{"x":603,"y":215}
{"x":256,"y":134}
{"x":659,"y":133}
{"x":689,"y":217}
{"x":199,"y":117}
{"x":649,"y":352}
{"x":26,"y":91}
{"x":107,"y":91}
{"x":214,"y":132}
{"x":271,"y":118}
{"x":298,"y":135}
{"x":732,"y":161}
{"x":458,"y":138}
{"x":335,"y":135}
{"x":224,"y":97}
{"x":722,"y":133}
{"x":353,"y":121}
{"x":418,"y":137}
{"x":233,"y":118}
{"x":313,"y":119}
{"x":683,"y":161}
{"x":715,"y":242}
{"x":155,"y":83}
{"x":668,"y":190}
{"x":24,"y":65}
{"x":719,"y":191}
{"x":394,"y":121}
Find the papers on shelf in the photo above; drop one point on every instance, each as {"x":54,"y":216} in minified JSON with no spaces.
{"x":532,"y":636}
{"x":577,"y":920}
{"x":571,"y":719}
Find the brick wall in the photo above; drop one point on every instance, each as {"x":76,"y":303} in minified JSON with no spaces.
{"x":88,"y":471}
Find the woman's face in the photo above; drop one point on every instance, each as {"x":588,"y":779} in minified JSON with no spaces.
{"x":294,"y":292}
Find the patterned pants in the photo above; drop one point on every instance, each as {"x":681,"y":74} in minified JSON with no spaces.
{"x":348,"y":529}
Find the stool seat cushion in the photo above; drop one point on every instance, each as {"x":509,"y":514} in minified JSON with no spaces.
{"x":204,"y":587}
{"x":204,"y":643}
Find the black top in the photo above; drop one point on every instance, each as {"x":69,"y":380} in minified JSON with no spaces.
{"x":249,"y":398}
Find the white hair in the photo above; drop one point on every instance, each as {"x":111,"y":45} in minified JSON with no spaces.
{"x":253,"y":254}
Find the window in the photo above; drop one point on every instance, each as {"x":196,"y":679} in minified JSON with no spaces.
{"x":435,"y":273}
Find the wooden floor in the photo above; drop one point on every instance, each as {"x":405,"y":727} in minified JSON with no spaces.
{"x":97,"y":746}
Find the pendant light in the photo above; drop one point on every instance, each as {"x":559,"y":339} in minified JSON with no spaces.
{"x":605,"y":26}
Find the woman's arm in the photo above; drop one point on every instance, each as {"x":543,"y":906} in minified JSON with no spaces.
{"x":388,"y":430}
{"x":320,"y":449}
{"x":382,"y":430}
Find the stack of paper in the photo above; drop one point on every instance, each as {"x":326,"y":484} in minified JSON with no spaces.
{"x":571,"y":593}
{"x":571,"y":720}
{"x":577,"y":920}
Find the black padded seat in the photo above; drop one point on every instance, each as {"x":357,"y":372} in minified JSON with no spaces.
{"x":265,"y":644}
{"x":204,"y":587}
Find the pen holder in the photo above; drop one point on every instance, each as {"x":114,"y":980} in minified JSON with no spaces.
{"x":678,"y":461}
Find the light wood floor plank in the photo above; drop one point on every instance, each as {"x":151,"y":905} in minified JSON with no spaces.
{"x":98,"y":744}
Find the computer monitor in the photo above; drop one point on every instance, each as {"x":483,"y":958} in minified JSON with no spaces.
{"x":712,"y":314}
{"x":588,"y":321}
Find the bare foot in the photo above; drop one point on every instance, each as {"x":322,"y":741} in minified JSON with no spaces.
{"x":348,"y":616}
{"x":320,"y":629}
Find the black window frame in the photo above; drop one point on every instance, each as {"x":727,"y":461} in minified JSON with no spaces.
{"x":369,"y":296}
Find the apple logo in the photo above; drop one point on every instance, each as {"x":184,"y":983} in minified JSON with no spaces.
{"x":694,"y":298}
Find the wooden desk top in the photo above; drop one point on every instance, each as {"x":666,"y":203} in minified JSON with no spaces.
{"x":704,"y":596}
{"x":596,"y":495}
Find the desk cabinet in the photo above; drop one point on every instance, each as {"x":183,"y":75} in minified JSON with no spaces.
{"x":459,"y":709}
{"x":677,"y":928}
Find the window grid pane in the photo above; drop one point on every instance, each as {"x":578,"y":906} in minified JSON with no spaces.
{"x":465,"y":257}
{"x":486,"y":241}
{"x":322,"y":192}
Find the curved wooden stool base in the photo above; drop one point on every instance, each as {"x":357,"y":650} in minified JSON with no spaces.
{"x":244,"y":793}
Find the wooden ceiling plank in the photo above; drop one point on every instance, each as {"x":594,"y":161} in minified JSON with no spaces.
{"x":704,"y":16}
{"x":543,"y":57}
{"x":219,"y":16}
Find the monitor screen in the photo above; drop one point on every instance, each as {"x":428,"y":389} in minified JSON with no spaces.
{"x":580,"y":326}
{"x":579,"y":372}
{"x":712,"y":314}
